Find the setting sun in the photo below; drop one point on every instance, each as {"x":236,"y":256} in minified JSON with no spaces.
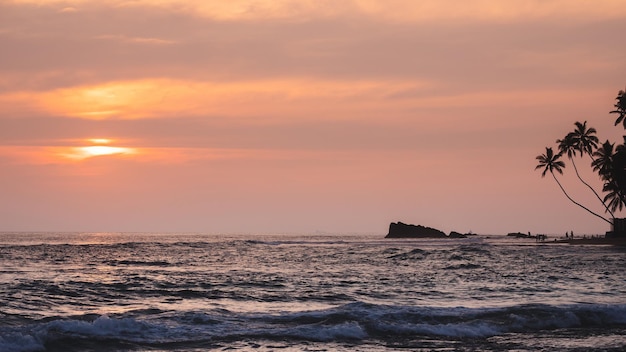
{"x":98,"y":150}
{"x":99,"y":147}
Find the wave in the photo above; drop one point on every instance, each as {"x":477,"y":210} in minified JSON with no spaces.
{"x":138,"y":262}
{"x":354,"y":322}
{"x":414,"y":254}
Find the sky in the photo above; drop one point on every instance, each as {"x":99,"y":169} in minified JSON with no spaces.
{"x":298,"y":116}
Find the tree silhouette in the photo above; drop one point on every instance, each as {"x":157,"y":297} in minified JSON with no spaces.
{"x":584,"y":141}
{"x":614,"y":196}
{"x":607,"y":160}
{"x":550,"y":162}
{"x":620,"y":108}
{"x":603,"y":160}
{"x":604,"y":164}
{"x":616,"y":177}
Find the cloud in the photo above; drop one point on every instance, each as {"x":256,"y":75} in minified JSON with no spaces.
{"x":173,"y":41}
{"x":269,"y":99}
{"x":395,"y":10}
{"x":68,"y":10}
{"x":138,"y":40}
{"x":278,"y":101}
{"x":384,"y":10}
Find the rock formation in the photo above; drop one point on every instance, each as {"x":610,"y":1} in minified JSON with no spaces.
{"x":402,"y":230}
{"x":455,"y":234}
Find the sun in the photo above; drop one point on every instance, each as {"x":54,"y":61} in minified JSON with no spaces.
{"x":97,"y":147}
{"x":97,"y":150}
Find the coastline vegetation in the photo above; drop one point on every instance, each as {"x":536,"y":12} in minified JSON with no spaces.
{"x":607,"y":160}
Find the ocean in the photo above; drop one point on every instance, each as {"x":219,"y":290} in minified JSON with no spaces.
{"x":198,"y":292}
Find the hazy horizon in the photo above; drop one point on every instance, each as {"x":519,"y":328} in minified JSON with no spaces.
{"x":294,"y":116}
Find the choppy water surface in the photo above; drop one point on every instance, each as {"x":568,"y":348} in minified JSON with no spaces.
{"x":182,"y":292}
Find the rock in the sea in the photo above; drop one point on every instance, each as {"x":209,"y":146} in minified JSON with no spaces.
{"x":402,"y":230}
{"x":519,"y":235}
{"x":455,"y":234}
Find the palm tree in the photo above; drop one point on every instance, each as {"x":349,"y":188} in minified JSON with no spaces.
{"x":604,"y":164}
{"x":603,"y":160}
{"x":614,"y":196}
{"x":620,"y":108}
{"x":550,"y":162}
{"x":582,"y":140}
{"x":617,"y":174}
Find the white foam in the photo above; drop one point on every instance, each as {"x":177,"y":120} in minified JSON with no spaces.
{"x":475,"y":329}
{"x":351,"y":331}
{"x":103,"y":327}
{"x":354,"y":321}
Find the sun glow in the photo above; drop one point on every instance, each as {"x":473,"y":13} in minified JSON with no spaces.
{"x":152,"y":98}
{"x":97,"y":150}
{"x":99,"y":147}
{"x":99,"y":140}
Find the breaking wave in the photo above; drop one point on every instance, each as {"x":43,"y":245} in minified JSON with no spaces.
{"x":351,"y":322}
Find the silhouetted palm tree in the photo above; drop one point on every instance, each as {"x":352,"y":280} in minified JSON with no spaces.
{"x":614,"y":196}
{"x":617,"y":176}
{"x":567,"y":145}
{"x":604,"y":164}
{"x":550,"y":162}
{"x":620,"y":108}
{"x":603,"y":160}
{"x":585,"y":138}
{"x":582,"y":140}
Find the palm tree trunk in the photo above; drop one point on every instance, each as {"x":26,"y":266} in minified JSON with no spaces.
{"x":575,"y":202}
{"x":591,"y":188}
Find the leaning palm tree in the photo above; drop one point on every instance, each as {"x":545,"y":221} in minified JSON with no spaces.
{"x":585,"y":138}
{"x":583,"y":141}
{"x":550,"y":162}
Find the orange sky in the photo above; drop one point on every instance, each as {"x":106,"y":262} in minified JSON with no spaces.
{"x":300,"y":116}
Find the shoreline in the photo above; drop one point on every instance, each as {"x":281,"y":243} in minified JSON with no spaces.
{"x":592,"y":240}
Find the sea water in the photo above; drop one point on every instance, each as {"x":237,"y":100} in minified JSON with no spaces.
{"x":196,"y":292}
